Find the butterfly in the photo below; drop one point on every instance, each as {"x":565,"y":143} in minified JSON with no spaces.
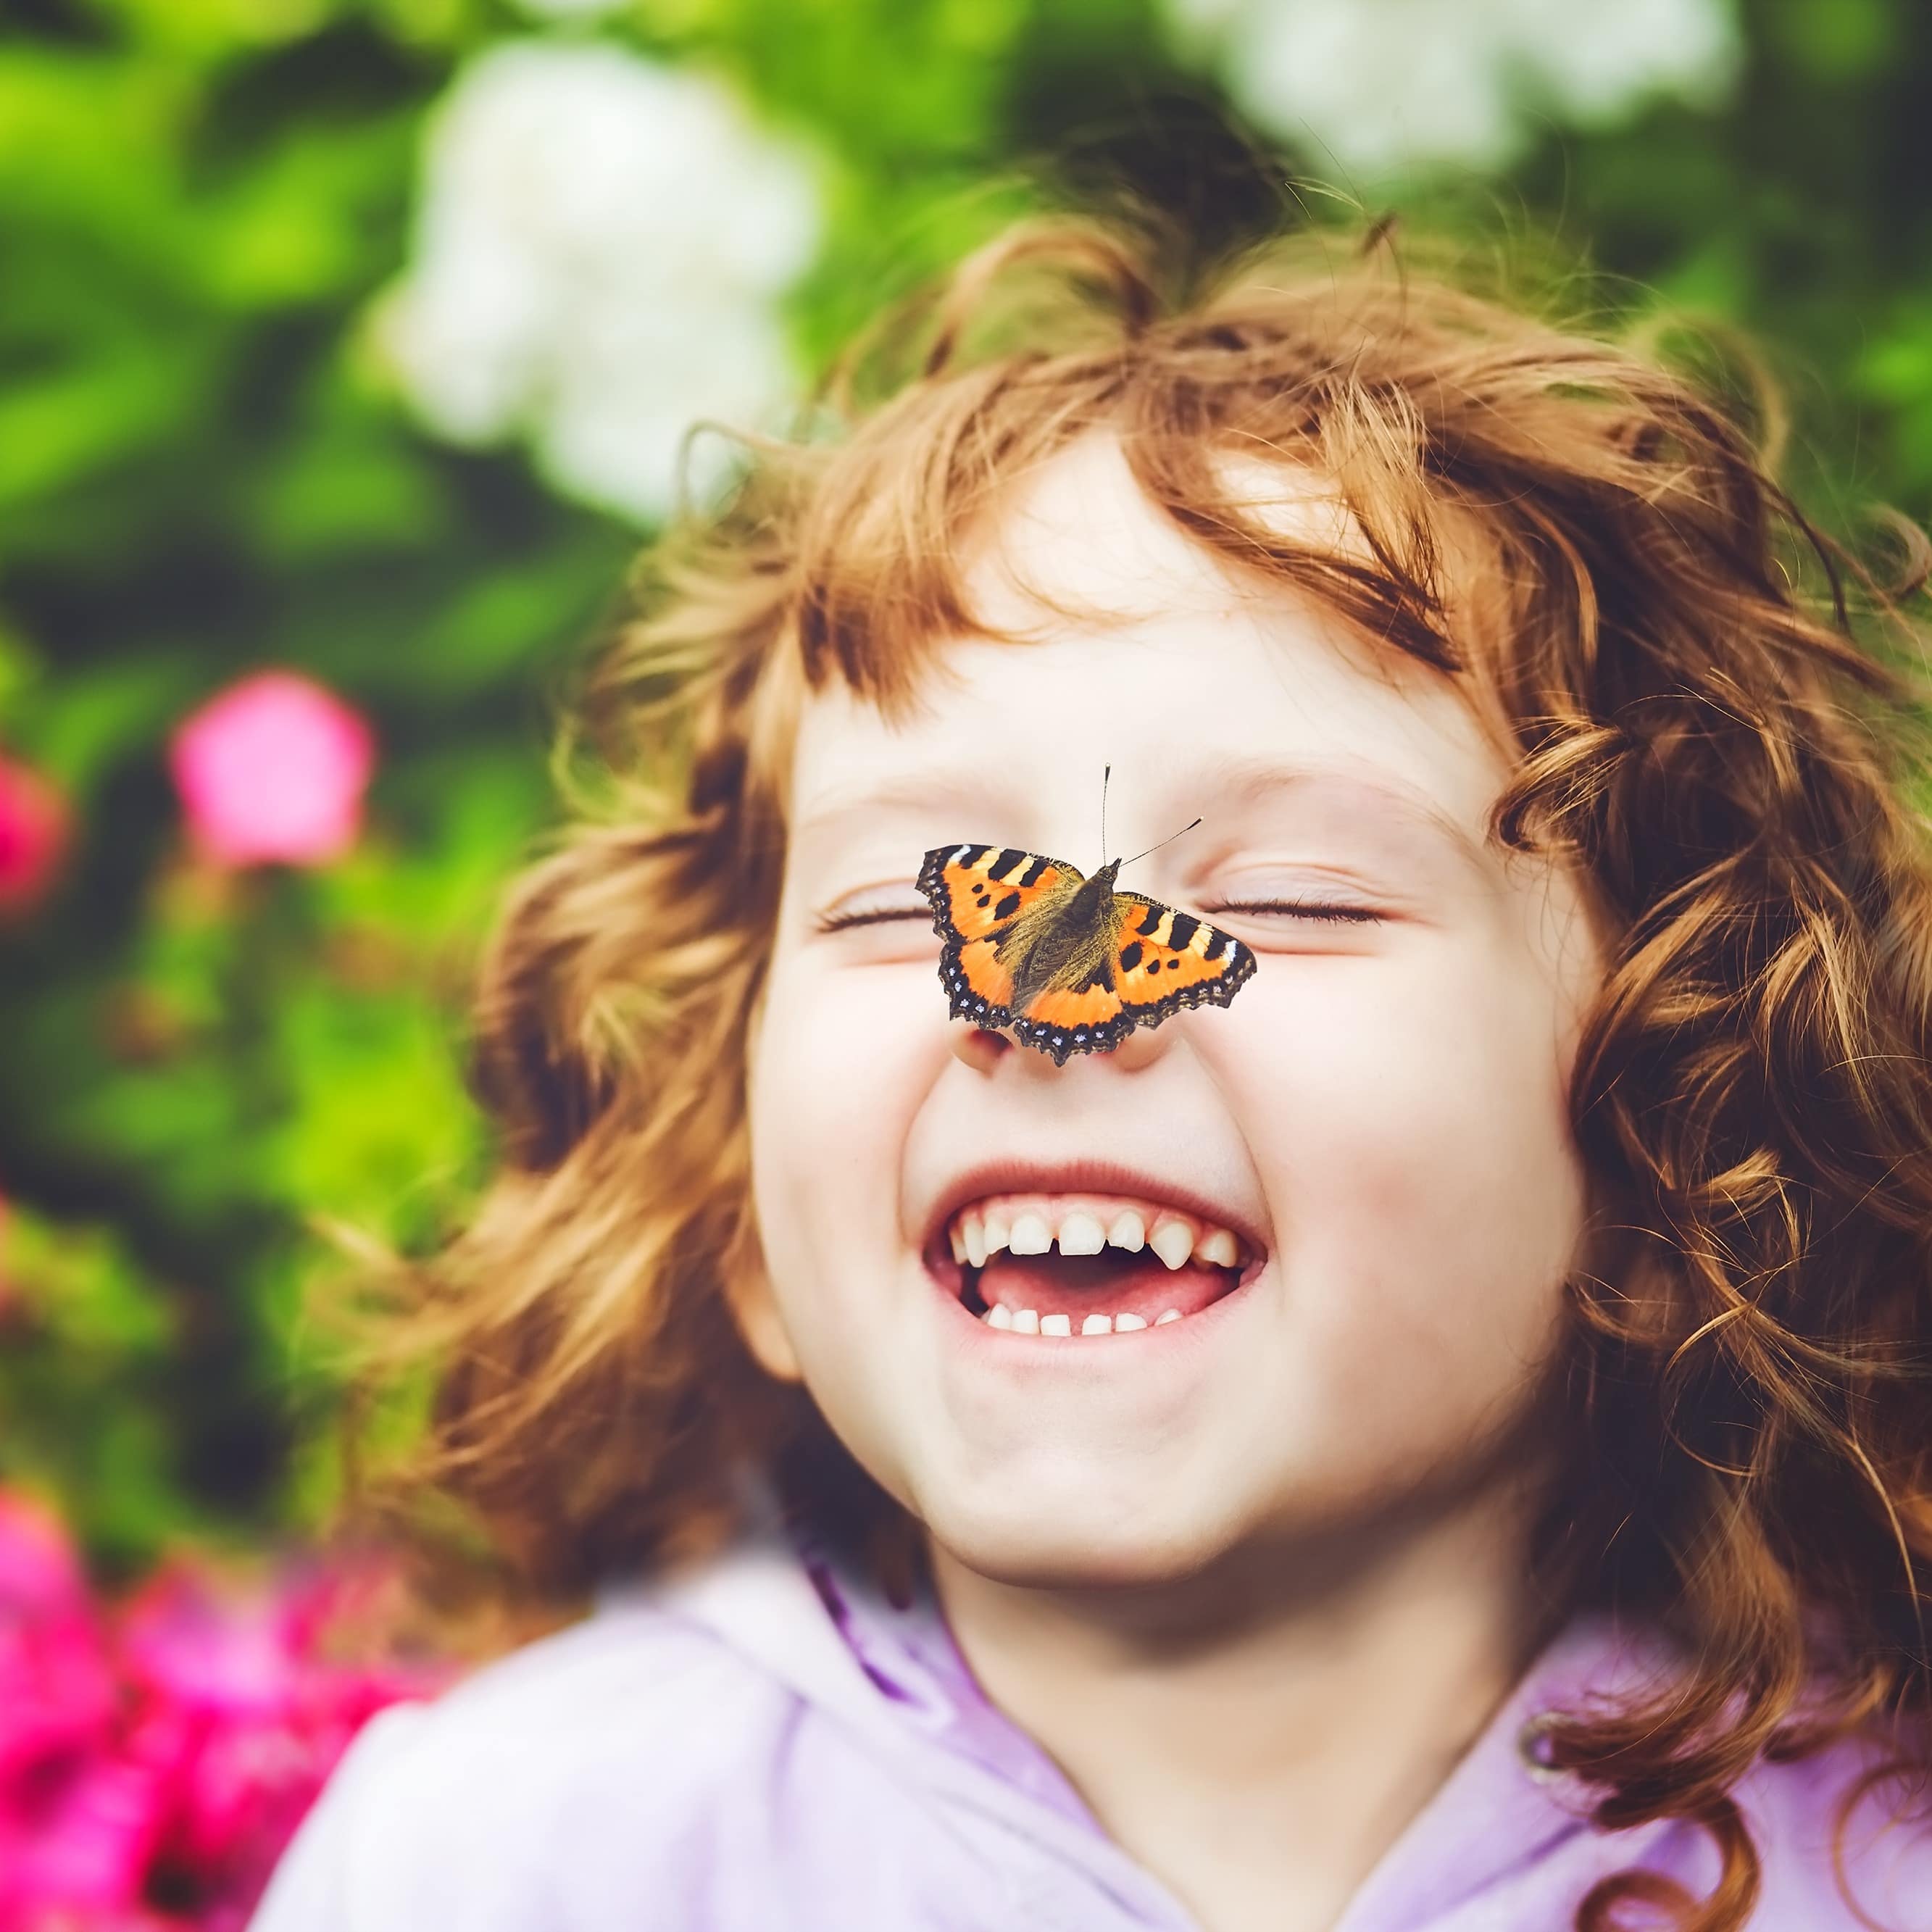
{"x":1065,"y":963}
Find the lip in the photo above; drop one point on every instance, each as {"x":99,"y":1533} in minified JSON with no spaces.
{"x":1014,"y":1176}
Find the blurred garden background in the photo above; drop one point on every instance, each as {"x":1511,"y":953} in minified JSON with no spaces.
{"x":346,"y":348}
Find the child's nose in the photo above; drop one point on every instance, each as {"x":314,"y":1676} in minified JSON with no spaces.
{"x":978,"y":1047}
{"x":982,"y":1049}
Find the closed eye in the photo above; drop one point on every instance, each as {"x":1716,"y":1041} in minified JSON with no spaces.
{"x":1325,"y":911}
{"x":1303,"y":909}
{"x":835,"y":921}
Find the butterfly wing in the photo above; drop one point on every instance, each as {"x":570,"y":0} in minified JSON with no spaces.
{"x":981,"y":895}
{"x":1166,"y":959}
{"x":1158,"y":960}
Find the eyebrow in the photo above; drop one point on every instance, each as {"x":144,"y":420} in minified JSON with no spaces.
{"x":940,"y":791}
{"x":1255,"y":781}
{"x":1250,"y":780}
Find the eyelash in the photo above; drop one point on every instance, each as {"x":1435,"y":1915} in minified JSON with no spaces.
{"x":1318,"y":909}
{"x":836,"y":922}
{"x":1315,"y":909}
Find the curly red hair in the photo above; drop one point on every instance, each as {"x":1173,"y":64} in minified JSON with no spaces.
{"x":1717,"y":719}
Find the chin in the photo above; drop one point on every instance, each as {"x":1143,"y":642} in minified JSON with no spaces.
{"x":1039,"y":1549}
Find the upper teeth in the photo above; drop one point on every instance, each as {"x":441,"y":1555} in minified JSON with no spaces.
{"x":991,"y":1227}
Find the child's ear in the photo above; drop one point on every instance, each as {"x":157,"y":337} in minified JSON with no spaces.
{"x":754,"y":1311}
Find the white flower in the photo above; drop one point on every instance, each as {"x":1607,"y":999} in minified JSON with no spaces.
{"x":1376,"y":85}
{"x":598,"y":244}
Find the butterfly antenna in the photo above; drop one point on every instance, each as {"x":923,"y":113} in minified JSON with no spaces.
{"x":1167,"y":841}
{"x":1104,"y":776}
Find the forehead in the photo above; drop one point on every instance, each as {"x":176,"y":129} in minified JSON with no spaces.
{"x":1202,"y":690}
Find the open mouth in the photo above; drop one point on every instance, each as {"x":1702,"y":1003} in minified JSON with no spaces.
{"x":1085,"y":1264}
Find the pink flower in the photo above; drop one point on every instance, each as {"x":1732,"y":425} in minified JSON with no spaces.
{"x":155,"y":1762}
{"x":272,"y":771}
{"x":77,"y":1843}
{"x":33,"y":835}
{"x":239,"y":1713}
{"x":39,"y":1574}
{"x":56,"y":1685}
{"x":75,"y":1829}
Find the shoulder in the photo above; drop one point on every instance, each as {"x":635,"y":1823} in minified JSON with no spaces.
{"x":615,"y":1689}
{"x":1791,"y":1808}
{"x":1794,"y":1811}
{"x":586,"y":1748}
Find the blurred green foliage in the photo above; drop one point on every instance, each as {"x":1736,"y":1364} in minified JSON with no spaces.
{"x":201,"y":471}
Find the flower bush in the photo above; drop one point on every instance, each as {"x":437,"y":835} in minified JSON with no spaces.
{"x":156,"y":1757}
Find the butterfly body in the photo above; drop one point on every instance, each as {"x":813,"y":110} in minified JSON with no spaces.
{"x":1066,"y":963}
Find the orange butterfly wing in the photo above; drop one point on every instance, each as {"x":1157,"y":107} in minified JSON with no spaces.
{"x":1163,"y":959}
{"x":1166,"y":959}
{"x":976,"y":892}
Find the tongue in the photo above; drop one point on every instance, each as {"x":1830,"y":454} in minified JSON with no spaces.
{"x":1114,"y":1282}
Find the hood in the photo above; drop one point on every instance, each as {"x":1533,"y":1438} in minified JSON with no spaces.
{"x":896,"y":1682}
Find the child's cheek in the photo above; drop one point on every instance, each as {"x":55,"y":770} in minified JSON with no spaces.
{"x":842,"y":1054}
{"x":1407,"y":1117}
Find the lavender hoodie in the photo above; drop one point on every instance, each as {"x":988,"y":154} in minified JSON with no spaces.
{"x":769,"y":1746}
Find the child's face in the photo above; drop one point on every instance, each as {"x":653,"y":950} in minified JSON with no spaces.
{"x":1383,"y":1105}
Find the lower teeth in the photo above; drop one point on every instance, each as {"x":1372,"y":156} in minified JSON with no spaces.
{"x":1004,"y":1314}
{"x":1030,"y":1321}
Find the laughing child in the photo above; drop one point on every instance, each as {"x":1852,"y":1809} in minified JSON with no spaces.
{"x":1440,"y":1442}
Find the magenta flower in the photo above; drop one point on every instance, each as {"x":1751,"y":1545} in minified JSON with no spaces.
{"x":154,"y":1762}
{"x":77,"y":1846}
{"x":74,"y":1832}
{"x":239,"y":1713}
{"x":33,"y":835}
{"x":56,"y":1689}
{"x":272,"y":771}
